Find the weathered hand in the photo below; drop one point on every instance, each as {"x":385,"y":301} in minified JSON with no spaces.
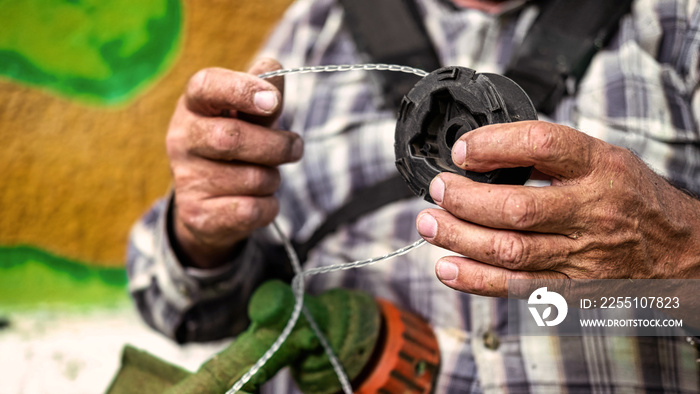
{"x":223,"y":156}
{"x":606,"y":214}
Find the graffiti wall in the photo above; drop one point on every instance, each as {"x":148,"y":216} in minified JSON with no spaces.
{"x":87,"y":88}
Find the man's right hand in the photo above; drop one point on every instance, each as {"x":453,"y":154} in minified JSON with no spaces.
{"x":223,"y":156}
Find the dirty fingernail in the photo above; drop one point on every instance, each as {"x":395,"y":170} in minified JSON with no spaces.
{"x":427,"y":226}
{"x":446,"y":270}
{"x":297,"y":148}
{"x":437,"y":189}
{"x":459,"y":152}
{"x":265,"y":100}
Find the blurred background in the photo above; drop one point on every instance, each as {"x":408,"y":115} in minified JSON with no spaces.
{"x":87,"y":88}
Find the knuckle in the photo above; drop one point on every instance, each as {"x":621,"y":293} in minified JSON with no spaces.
{"x":175,"y":142}
{"x":198,"y":131}
{"x":448,"y":235}
{"x":248,"y":212}
{"x":541,"y":141}
{"x":227,"y":137}
{"x":265,"y":180}
{"x":253,"y":179}
{"x":197,"y":85}
{"x":243,"y":87}
{"x":487,"y":283}
{"x":193,"y":217}
{"x":519,"y":210}
{"x":479,"y":282}
{"x":511,"y":251}
{"x":215,"y":138}
{"x":182,"y":175}
{"x":620,"y":160}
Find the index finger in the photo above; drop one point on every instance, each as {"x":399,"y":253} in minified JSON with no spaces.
{"x":233,"y":139}
{"x":214,"y":91}
{"x":555,"y":150}
{"x":549,"y":209}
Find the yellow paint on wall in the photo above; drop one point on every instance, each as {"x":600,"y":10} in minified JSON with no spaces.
{"x":73,"y":178}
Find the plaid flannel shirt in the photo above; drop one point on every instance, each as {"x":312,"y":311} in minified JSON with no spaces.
{"x":639,"y":92}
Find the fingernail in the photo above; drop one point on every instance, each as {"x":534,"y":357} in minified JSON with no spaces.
{"x":437,"y":189}
{"x":265,"y":100}
{"x":446,"y":270}
{"x":298,"y":148}
{"x":459,"y":152}
{"x":427,"y":226}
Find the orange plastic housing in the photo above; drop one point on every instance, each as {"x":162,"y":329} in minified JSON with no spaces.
{"x":409,"y":358}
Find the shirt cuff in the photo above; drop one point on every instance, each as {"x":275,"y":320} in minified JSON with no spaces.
{"x":186,"y":286}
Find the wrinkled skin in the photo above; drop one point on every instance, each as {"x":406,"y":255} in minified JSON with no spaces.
{"x":224,"y":155}
{"x":606,"y":215}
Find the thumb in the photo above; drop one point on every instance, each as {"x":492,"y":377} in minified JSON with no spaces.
{"x":261,"y":66}
{"x":266,"y":64}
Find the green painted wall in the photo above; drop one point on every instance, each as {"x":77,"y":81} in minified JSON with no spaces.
{"x":87,"y":88}
{"x":97,"y":51}
{"x":32,"y":279}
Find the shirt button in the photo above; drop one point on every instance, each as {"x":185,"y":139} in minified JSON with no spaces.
{"x":491,"y":340}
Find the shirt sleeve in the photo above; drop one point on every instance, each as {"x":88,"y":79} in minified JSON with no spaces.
{"x":185,"y":303}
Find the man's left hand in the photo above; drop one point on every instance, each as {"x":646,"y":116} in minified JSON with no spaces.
{"x":606,"y":214}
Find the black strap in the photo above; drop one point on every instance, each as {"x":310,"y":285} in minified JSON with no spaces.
{"x":362,"y":203}
{"x":392,"y":32}
{"x":548,"y":65}
{"x":560,"y":45}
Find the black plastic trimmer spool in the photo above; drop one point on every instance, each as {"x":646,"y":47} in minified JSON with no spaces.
{"x":443,"y":106}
